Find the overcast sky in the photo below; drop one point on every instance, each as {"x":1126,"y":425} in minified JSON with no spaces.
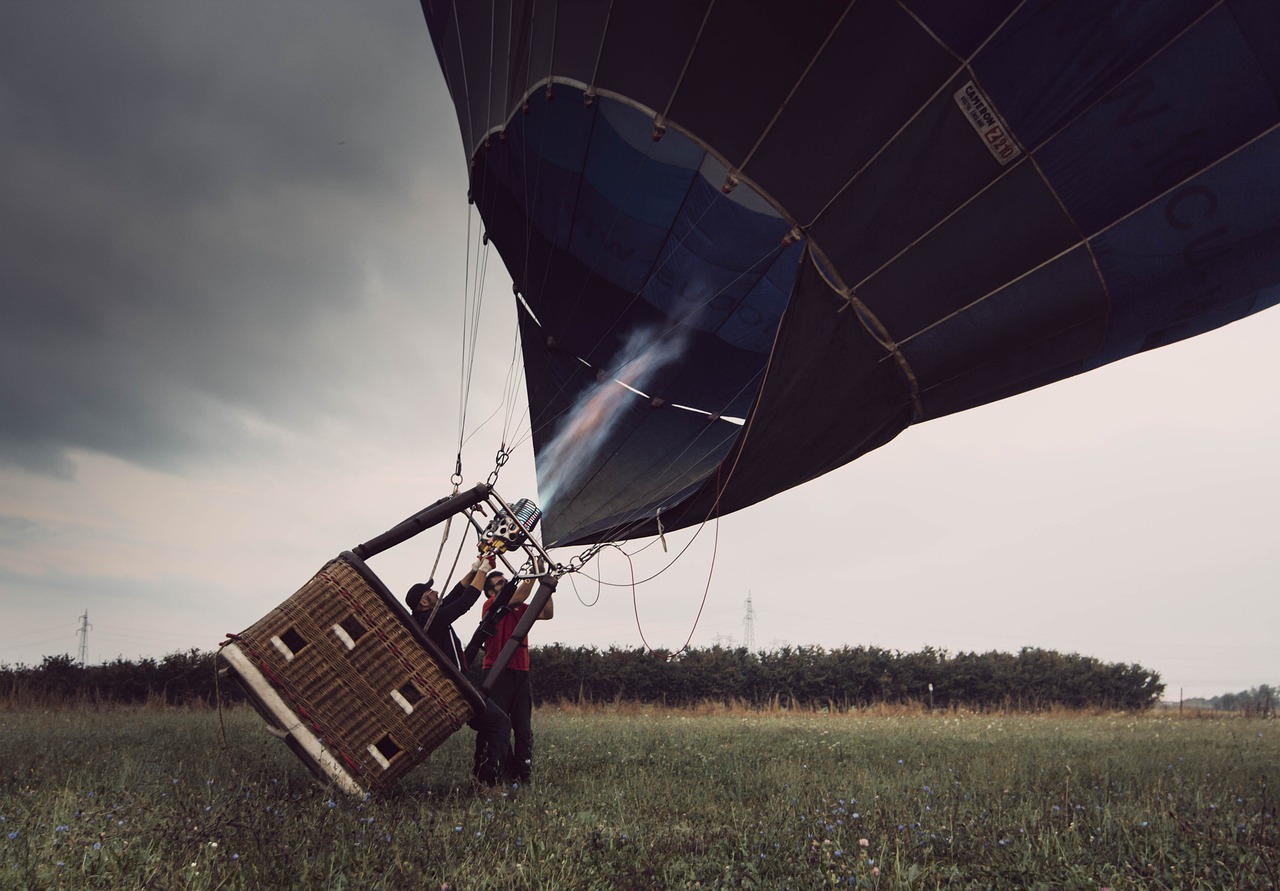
{"x":234,"y":243}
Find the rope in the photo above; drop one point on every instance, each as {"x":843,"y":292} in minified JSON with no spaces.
{"x":456,"y":479}
{"x":599,"y":589}
{"x":473,"y":302}
{"x":448,"y":581}
{"x":464,"y":376}
{"x":222,"y":724}
{"x":711,"y":570}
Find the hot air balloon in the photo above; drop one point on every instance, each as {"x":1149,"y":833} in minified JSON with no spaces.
{"x":753,"y":241}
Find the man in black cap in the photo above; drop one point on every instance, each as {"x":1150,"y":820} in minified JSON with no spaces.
{"x":436,"y":617}
{"x":437,"y":620}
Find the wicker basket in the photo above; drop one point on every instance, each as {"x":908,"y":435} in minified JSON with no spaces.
{"x":354,"y":687}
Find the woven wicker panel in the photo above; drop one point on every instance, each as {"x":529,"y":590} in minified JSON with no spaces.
{"x":345,"y":694}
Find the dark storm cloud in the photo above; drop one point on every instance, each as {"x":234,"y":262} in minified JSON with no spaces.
{"x":187,"y":193}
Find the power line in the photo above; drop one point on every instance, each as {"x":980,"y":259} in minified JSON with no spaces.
{"x":12,"y":638}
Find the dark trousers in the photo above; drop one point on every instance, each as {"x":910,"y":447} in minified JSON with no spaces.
{"x":493,"y":740}
{"x":513,"y":695}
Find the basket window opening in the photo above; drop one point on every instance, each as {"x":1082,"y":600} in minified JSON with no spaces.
{"x":350,"y":630}
{"x":290,"y":643}
{"x":407,"y":697}
{"x":384,"y":750}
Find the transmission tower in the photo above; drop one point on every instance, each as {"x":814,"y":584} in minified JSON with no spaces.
{"x":84,"y":636}
{"x":749,"y":627}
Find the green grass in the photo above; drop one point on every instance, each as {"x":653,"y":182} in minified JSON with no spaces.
{"x":149,"y":798}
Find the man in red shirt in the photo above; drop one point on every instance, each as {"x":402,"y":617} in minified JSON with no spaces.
{"x":511,"y":692}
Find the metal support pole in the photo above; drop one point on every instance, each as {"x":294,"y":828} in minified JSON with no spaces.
{"x":546,"y":587}
{"x":422,"y":520}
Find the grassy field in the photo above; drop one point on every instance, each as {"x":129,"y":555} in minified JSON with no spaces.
{"x":153,"y":798}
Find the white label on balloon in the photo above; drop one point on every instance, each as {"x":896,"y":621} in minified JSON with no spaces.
{"x":995,"y":135}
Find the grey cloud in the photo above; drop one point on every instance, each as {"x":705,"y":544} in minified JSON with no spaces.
{"x":186,"y":197}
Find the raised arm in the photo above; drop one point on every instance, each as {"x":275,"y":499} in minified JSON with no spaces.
{"x":466,"y":592}
{"x":522,"y":594}
{"x":522,"y":591}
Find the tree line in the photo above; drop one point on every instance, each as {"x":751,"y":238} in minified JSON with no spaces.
{"x":1257,"y":701}
{"x":841,"y":679}
{"x":805,"y":677}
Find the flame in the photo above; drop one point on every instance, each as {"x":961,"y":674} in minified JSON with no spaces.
{"x":562,"y":461}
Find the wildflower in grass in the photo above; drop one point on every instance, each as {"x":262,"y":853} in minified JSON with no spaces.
{"x":13,"y":835}
{"x":875,"y":870}
{"x":97,"y":846}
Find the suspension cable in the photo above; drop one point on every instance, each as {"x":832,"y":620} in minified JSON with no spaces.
{"x":448,"y":584}
{"x":635,"y":604}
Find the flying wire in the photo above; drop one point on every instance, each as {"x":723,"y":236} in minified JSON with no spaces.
{"x":711,"y":571}
{"x":464,"y":377}
{"x":599,"y":591}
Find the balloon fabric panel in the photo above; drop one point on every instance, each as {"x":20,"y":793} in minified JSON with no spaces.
{"x":877,"y":69}
{"x":838,"y":219}
{"x":962,"y":27}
